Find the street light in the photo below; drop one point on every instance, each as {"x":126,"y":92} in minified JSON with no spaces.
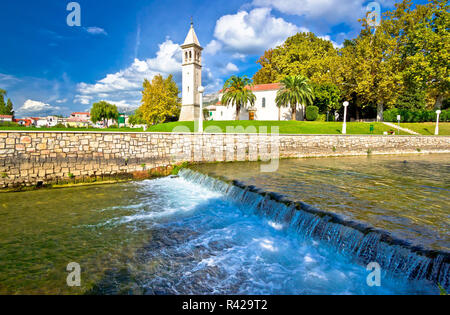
{"x":201,"y":90}
{"x":344,"y":128}
{"x":438,"y":112}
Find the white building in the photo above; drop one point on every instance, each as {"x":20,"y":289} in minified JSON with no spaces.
{"x":265,"y":107}
{"x":192,"y":77}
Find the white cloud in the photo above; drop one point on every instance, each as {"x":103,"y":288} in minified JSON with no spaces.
{"x":94,"y":30}
{"x":213,"y":47}
{"x":253,"y":32}
{"x":124,"y":87}
{"x":336,"y":45}
{"x":31,"y":107}
{"x":230,"y":67}
{"x":7,"y":80}
{"x":329,"y":12}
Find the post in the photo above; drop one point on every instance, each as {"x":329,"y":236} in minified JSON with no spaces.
{"x":438,"y":112}
{"x":344,"y":127}
{"x":398,"y":119}
{"x":201,"y":89}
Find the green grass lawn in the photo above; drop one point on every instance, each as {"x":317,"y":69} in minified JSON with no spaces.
{"x":285,"y":127}
{"x":25,"y":129}
{"x":427,"y":129}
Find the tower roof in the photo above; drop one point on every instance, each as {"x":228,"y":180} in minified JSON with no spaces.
{"x":191,"y":37}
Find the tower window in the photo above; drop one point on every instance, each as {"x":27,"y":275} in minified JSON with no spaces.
{"x":264,"y":102}
{"x":190,"y":55}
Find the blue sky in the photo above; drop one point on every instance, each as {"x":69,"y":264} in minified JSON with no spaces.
{"x":48,"y":67}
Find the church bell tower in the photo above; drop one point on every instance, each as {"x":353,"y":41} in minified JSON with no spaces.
{"x":192,"y":77}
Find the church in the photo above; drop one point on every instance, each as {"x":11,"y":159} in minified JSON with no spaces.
{"x":264,"y":108}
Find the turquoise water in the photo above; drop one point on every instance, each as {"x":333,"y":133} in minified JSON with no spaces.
{"x":167,"y":236}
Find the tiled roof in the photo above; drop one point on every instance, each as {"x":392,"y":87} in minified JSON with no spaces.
{"x":6,"y":116}
{"x":264,"y":87}
{"x":88,"y":114}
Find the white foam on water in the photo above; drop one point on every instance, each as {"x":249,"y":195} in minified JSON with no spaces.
{"x":216,"y":248}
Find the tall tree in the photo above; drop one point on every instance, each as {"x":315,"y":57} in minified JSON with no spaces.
{"x":2,"y":102}
{"x":423,"y":40}
{"x":9,"y":107}
{"x":103,"y":111}
{"x":296,"y":91}
{"x":268,"y":73}
{"x":303,"y":53}
{"x":236,"y":92}
{"x":327,"y":97}
{"x":160,"y":101}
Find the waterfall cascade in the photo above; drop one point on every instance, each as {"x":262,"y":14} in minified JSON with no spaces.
{"x":363,"y":243}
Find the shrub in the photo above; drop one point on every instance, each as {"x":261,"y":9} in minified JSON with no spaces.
{"x":415,"y":116}
{"x":312,"y":113}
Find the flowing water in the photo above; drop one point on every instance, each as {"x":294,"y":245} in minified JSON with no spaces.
{"x":186,"y":235}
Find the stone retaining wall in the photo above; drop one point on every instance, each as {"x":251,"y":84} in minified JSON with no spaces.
{"x":31,"y":158}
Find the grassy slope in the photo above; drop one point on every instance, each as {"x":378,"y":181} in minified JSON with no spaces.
{"x":285,"y":127}
{"x":428,"y":128}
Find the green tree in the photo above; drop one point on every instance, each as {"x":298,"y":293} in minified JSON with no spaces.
{"x":296,"y":91}
{"x":303,"y":53}
{"x":103,"y":111}
{"x":9,"y":107}
{"x":2,"y":102}
{"x":137,"y":118}
{"x":160,"y":101}
{"x":236,"y":91}
{"x":268,"y":73}
{"x":327,"y":97}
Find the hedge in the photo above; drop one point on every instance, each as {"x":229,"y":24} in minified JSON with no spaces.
{"x":312,"y":113}
{"x":415,"y":116}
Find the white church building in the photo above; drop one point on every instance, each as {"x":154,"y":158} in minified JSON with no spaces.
{"x":264,"y":108}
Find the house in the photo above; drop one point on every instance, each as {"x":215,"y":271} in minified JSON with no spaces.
{"x":83,"y":116}
{"x":38,"y":121}
{"x":79,"y":120}
{"x":53,"y":121}
{"x":24,"y":122}
{"x":265,"y":107}
{"x":6,"y":118}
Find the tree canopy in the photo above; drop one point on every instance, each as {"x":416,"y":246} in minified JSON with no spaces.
{"x":405,"y":59}
{"x":160,"y":101}
{"x":103,"y":111}
{"x":5,"y":108}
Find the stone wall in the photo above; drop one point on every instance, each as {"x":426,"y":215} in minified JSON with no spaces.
{"x":31,"y":158}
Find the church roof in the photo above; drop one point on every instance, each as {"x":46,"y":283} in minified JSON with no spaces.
{"x":263,"y":87}
{"x":191,"y":37}
{"x":266,"y":87}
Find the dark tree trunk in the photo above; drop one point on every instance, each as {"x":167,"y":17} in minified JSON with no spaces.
{"x":439,"y":100}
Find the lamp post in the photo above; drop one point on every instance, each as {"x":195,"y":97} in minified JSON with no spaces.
{"x":344,"y":128}
{"x":201,"y":90}
{"x":438,"y":112}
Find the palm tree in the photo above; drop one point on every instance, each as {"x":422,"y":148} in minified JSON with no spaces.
{"x":236,"y":91}
{"x":296,"y":91}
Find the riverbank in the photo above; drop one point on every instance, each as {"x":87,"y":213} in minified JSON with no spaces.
{"x":55,"y":158}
